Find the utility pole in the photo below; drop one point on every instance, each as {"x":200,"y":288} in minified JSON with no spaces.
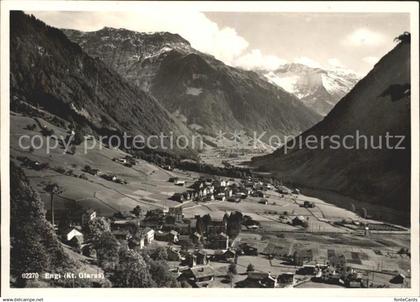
{"x":52,"y":209}
{"x":53,"y":189}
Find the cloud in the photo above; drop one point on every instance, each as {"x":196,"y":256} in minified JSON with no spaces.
{"x":335,"y":62}
{"x":370,"y":60}
{"x":203,"y":34}
{"x":308,"y":62}
{"x":364,"y":37}
{"x":256,"y":60}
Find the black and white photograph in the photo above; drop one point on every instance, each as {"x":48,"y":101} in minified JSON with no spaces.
{"x":173,"y":145}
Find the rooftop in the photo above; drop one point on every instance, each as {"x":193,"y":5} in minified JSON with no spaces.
{"x":202,"y":271}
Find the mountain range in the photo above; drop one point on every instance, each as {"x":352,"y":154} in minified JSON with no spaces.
{"x":200,"y":91}
{"x":318,"y":88}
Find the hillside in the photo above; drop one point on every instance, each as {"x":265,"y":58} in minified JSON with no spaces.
{"x":202,"y":92}
{"x":34,"y":245}
{"x":318,"y":88}
{"x":378,"y":104}
{"x":50,"y":72}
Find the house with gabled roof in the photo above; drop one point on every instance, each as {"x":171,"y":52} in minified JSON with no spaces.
{"x":198,"y":276}
{"x":73,"y":233}
{"x":88,"y":215}
{"x":258,"y":279}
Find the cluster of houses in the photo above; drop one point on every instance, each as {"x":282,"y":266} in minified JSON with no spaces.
{"x":318,"y":273}
{"x":209,"y":189}
{"x":335,"y":271}
{"x":258,"y":279}
{"x":294,"y":220}
{"x":140,"y":229}
{"x":106,"y":176}
{"x":198,"y":242}
{"x":32,"y":164}
{"x":127,"y":161}
{"x":123,"y":227}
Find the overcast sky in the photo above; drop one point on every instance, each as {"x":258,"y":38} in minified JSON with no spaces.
{"x":261,"y":40}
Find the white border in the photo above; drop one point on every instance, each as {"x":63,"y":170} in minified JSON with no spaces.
{"x":178,"y":294}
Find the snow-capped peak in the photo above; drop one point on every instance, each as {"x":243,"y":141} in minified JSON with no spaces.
{"x":319,"y":88}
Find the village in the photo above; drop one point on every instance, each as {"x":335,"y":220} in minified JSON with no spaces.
{"x":214,"y":251}
{"x":249,"y":230}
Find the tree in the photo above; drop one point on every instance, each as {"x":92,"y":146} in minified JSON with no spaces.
{"x":226,"y":218}
{"x":230,"y":278}
{"x":200,"y":225}
{"x":250,"y":268}
{"x":47,"y":132}
{"x":234,"y":224}
{"x":107,"y":248}
{"x":96,"y":227}
{"x":170,"y":220}
{"x":72,"y":150}
{"x":131,"y":271}
{"x":30,"y":127}
{"x":28,"y":254}
{"x":137,"y":211}
{"x":405,"y":37}
{"x":78,"y":137}
{"x":232,"y":269}
{"x":206,"y":221}
{"x":160,"y":254}
{"x":159,"y":270}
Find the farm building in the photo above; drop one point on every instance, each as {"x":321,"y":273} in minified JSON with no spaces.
{"x":88,"y":215}
{"x":284,"y":190}
{"x":148,"y":234}
{"x":286,"y":279}
{"x":224,"y":255}
{"x":173,"y":236}
{"x":248,"y":250}
{"x":299,"y":220}
{"x":259,"y":280}
{"x":199,"y":276}
{"x":173,"y":254}
{"x":121,"y":234}
{"x":134,"y":243}
{"x":398,"y":279}
{"x":72,"y":233}
{"x":219,"y":241}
